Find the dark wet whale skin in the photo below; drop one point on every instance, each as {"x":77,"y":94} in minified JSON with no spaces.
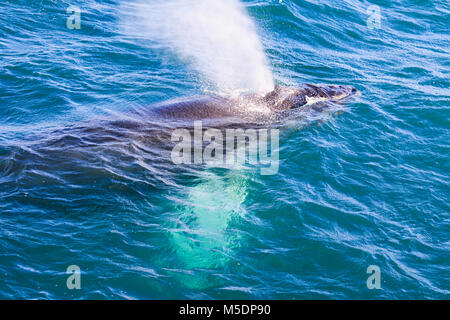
{"x":237,"y":108}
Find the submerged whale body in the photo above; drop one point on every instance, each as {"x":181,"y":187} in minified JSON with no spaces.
{"x":252,"y":107}
{"x":154,"y":126}
{"x":141,"y":140}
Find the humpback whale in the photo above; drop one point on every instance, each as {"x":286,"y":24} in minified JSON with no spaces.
{"x":249,"y":108}
{"x":153,"y":125}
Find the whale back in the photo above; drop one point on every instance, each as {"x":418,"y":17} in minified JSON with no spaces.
{"x":250,"y":108}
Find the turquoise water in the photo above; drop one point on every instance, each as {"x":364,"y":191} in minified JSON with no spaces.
{"x":367,"y":187}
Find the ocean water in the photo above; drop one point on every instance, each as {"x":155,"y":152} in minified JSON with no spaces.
{"x":85,"y":181}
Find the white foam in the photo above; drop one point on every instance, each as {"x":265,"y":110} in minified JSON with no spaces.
{"x":216,"y":38}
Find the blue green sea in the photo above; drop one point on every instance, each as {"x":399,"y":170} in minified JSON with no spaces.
{"x":85,"y":179}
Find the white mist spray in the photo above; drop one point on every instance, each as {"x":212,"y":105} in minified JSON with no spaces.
{"x":216,"y":38}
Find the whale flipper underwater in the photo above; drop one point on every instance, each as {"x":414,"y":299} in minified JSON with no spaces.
{"x":251,"y":108}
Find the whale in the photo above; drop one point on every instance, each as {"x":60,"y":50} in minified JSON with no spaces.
{"x":151,"y":126}
{"x":252,"y":108}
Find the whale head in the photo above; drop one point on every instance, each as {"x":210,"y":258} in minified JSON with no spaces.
{"x":286,"y":98}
